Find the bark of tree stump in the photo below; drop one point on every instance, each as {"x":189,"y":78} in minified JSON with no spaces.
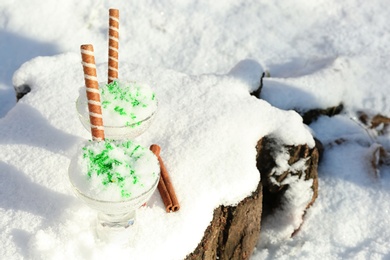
{"x":235,"y":230}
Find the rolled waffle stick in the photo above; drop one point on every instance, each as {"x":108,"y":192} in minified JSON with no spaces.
{"x":113,"y":44}
{"x":93,"y":94}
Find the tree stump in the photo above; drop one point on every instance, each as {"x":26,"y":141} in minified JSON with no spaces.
{"x":233,"y":232}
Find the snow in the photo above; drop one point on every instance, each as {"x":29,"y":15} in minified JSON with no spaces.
{"x":202,"y":58}
{"x":191,"y":130}
{"x":134,"y":172}
{"x":115,"y":100}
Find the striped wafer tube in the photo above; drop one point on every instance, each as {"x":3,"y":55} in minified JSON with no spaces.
{"x":113,"y":44}
{"x":93,"y":94}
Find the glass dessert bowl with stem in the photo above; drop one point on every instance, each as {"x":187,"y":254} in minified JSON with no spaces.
{"x":128,"y":108}
{"x":115,"y":178}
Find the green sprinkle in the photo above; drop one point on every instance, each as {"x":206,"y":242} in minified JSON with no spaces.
{"x":105,"y":103}
{"x":120,"y":110}
{"x":135,"y":102}
{"x":125,"y":194}
{"x":116,"y":162}
{"x":135,"y":179}
{"x":127,"y":144}
{"x":108,"y":146}
{"x":135,"y":149}
{"x":119,"y":178}
{"x":136,"y":124}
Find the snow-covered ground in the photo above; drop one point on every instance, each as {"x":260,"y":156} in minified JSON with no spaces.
{"x":319,"y":53}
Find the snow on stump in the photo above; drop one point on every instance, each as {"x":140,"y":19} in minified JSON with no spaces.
{"x":208,"y":127}
{"x":290,"y":185}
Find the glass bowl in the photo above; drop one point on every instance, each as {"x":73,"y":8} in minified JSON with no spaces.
{"x":114,"y":132}
{"x":114,"y":218}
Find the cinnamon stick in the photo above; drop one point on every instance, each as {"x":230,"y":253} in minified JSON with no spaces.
{"x":164,"y":195}
{"x":166,"y":189}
